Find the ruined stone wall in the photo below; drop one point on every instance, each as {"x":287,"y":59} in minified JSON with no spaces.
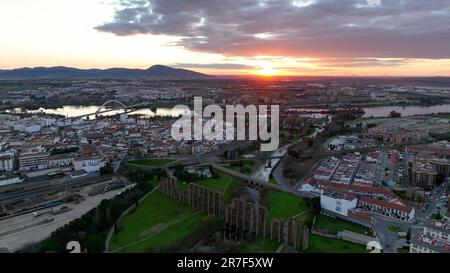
{"x":290,"y":232}
{"x":242,"y":218}
{"x":196,"y":196}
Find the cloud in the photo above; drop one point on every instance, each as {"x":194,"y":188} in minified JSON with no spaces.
{"x":361,"y":62}
{"x":215,"y":66}
{"x":295,"y":28}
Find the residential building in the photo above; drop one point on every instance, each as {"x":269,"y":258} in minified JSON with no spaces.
{"x":424,"y":174}
{"x":434,"y":238}
{"x":33,"y":161}
{"x":338,"y":202}
{"x":392,"y":208}
{"x":7,"y":162}
{"x":88,"y":163}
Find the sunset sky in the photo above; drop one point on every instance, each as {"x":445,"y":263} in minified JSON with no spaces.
{"x":260,"y":37}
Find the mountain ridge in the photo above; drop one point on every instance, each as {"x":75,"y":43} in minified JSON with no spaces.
{"x":62,"y":72}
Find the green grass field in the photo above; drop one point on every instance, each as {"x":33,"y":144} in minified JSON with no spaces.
{"x":333,"y":226}
{"x":442,"y":115}
{"x":305,"y":218}
{"x":259,"y":245}
{"x":248,"y":167}
{"x":224,"y":183}
{"x":283,"y":205}
{"x":159,"y":221}
{"x":320,"y":244}
{"x":395,"y":229}
{"x":402,"y":250}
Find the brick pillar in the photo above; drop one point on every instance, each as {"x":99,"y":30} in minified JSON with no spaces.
{"x":289,"y":237}
{"x":298,"y":234}
{"x":305,"y":238}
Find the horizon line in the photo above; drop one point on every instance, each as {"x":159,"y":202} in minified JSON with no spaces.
{"x":238,"y":75}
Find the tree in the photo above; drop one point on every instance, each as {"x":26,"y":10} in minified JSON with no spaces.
{"x":408,"y":235}
{"x":394,"y":114}
{"x":107,"y":169}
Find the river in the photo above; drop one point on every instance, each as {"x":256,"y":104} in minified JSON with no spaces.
{"x":70,"y":111}
{"x":383,"y":111}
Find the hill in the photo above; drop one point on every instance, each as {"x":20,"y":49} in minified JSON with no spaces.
{"x":60,"y":72}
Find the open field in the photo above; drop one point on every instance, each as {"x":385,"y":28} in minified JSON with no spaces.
{"x":224,"y":183}
{"x":402,"y":250}
{"x":421,"y":123}
{"x":159,"y":221}
{"x":395,"y":229}
{"x":320,"y":244}
{"x":305,"y":218}
{"x":283,"y":205}
{"x":333,"y":225}
{"x":259,"y":245}
{"x":248,"y":167}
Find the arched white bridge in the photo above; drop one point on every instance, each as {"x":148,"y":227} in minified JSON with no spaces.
{"x":102,"y":109}
{"x":103,"y":106}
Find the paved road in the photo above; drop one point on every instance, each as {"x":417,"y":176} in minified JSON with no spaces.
{"x":390,"y":240}
{"x":278,"y":175}
{"x":264,"y":171}
{"x":434,"y":197}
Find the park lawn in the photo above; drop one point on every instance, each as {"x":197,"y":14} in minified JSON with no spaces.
{"x":259,"y":244}
{"x":225,"y":184}
{"x":402,"y":250}
{"x":395,"y":229}
{"x":320,"y":244}
{"x":167,"y":237}
{"x":334,"y":225}
{"x":305,"y":218}
{"x":153,"y":215}
{"x":283,"y":205}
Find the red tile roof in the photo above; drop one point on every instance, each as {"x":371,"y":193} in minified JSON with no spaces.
{"x":386,"y":204}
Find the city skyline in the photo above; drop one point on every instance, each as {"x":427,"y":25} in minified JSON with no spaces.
{"x":302,"y":37}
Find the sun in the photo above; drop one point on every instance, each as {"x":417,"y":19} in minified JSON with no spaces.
{"x":267,"y":71}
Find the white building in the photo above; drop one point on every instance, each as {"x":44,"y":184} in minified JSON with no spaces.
{"x":435,"y":238}
{"x":7,"y":162}
{"x":326,"y":169}
{"x":33,"y":161}
{"x":27,"y":128}
{"x":58,"y":161}
{"x":337,"y":202}
{"x":306,"y":187}
{"x":88,"y":164}
{"x":392,"y":208}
